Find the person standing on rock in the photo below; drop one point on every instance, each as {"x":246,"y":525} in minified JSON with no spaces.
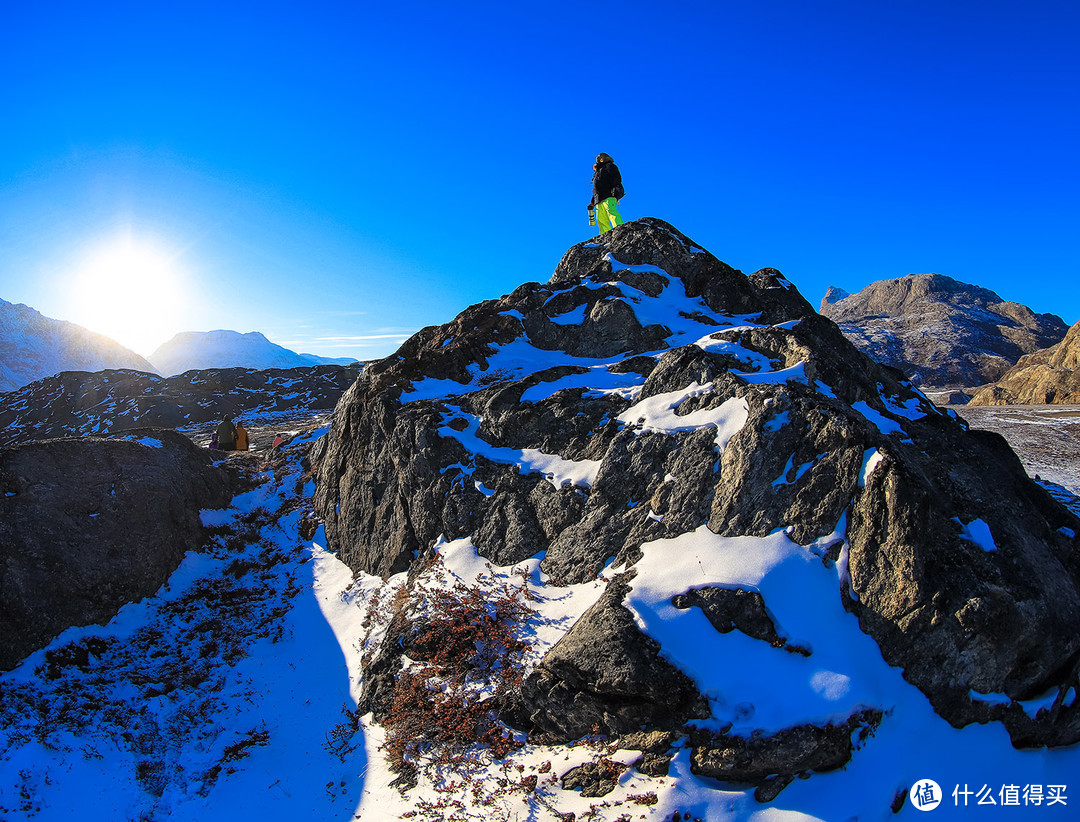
{"x":226,"y":435}
{"x":607,"y":189}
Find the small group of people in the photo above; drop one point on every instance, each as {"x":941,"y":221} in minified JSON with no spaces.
{"x":229,"y":436}
{"x":607,"y":190}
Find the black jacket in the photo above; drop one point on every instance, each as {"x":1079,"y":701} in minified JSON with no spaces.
{"x":226,"y":435}
{"x":605,"y":182}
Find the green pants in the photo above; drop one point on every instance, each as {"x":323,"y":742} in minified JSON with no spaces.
{"x":607,"y":215}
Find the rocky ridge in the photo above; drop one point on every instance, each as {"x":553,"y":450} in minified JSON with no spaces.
{"x":649,"y":400}
{"x":939,"y":331}
{"x":78,"y":403}
{"x":1047,"y":377}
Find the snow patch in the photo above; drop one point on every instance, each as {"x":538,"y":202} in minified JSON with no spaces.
{"x":871,"y":459}
{"x":657,"y":414}
{"x":884,"y":424}
{"x":575,"y":316}
{"x":977,"y":532}
{"x":556,"y":470}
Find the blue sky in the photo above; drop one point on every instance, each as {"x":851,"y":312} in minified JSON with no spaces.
{"x":338,"y":175}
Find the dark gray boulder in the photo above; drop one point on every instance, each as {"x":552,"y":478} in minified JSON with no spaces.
{"x":606,"y":674}
{"x":730,"y":609}
{"x":88,"y":525}
{"x":803,"y":749}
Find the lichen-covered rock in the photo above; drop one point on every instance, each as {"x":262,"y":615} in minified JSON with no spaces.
{"x":773,"y":759}
{"x":730,"y":609}
{"x":656,"y":750}
{"x":88,"y":525}
{"x":593,"y":778}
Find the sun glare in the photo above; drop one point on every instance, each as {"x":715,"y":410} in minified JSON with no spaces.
{"x":130,"y":291}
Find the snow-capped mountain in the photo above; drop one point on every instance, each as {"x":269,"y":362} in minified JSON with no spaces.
{"x":33,"y":346}
{"x":230,"y":349}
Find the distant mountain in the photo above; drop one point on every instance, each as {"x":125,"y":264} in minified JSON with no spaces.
{"x":191,"y":350}
{"x":315,"y":359}
{"x":1049,"y":376}
{"x":33,"y":346}
{"x":940,"y":331}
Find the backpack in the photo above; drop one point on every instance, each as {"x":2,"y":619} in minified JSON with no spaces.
{"x":617,"y":191}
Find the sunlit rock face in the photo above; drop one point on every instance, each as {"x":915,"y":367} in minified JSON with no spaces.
{"x":655,"y":416}
{"x":88,"y":525}
{"x":939,"y":331}
{"x":1050,"y":376}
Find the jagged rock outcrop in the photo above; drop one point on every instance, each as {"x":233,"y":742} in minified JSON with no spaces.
{"x":88,"y":525}
{"x":648,"y":394}
{"x":33,"y":346}
{"x":1050,"y":376}
{"x":939,"y":331}
{"x":78,"y":403}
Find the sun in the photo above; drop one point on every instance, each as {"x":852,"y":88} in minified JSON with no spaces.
{"x":130,"y":290}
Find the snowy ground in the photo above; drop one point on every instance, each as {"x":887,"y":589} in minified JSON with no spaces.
{"x":1045,"y":437}
{"x":229,"y":694}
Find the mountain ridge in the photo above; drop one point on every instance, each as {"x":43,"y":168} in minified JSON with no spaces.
{"x":78,"y":403}
{"x":940,"y":331}
{"x":1046,"y":377}
{"x":224,"y":348}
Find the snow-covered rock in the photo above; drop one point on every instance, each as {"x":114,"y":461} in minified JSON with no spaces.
{"x":652,"y":417}
{"x":665,"y":477}
{"x":33,"y":346}
{"x":230,"y":349}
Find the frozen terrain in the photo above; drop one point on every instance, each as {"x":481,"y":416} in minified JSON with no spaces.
{"x":234,"y":690}
{"x":229,"y":693}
